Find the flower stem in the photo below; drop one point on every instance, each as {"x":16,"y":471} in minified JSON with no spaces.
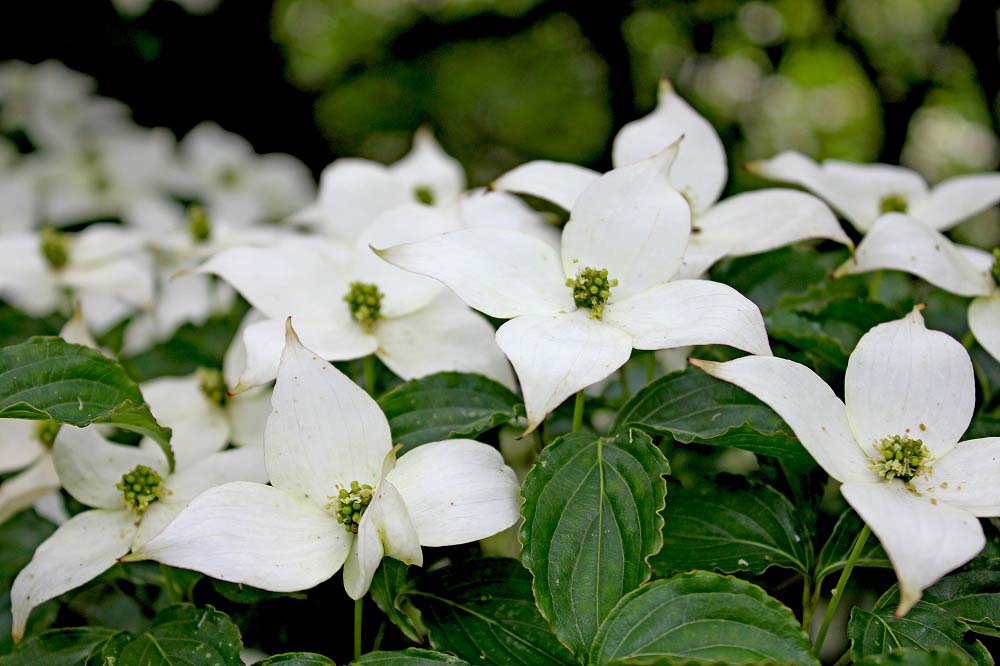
{"x":650,"y":367}
{"x":623,"y":378}
{"x":838,"y":592}
{"x":578,"y":411}
{"x":968,"y":339}
{"x":368,"y":362}
{"x":874,"y":285}
{"x":807,"y":607}
{"x":357,"y":627}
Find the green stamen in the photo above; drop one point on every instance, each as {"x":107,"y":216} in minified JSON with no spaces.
{"x":899,"y":457}
{"x":424,"y":195}
{"x":995,"y":271}
{"x":229,"y":177}
{"x":46,"y":432}
{"x":591,"y":289}
{"x":213,"y":385}
{"x":350,"y":504}
{"x":55,"y":248}
{"x":199,"y":226}
{"x":365,"y":302}
{"x":893,"y":203}
{"x":141,"y":487}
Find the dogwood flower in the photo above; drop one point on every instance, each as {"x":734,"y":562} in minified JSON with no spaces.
{"x":574,"y":321}
{"x":104,"y":268}
{"x":744,"y":224}
{"x":338,"y":495}
{"x":348,"y":304}
{"x":896,"y":242}
{"x":133,"y":498}
{"x":893,"y":442}
{"x":222,"y":170}
{"x":863,"y":193}
{"x":26,"y":448}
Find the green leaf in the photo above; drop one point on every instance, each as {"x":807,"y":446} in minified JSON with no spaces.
{"x":732,"y":530}
{"x":183,"y":634}
{"x":409,"y":657}
{"x":446,"y":405}
{"x":971,"y":596}
{"x":483,"y":611}
{"x":51,"y":379}
{"x":915,"y":657}
{"x":699,"y":618}
{"x":59,"y":647}
{"x":691,"y":406}
{"x":296,"y":659}
{"x":19,"y":537}
{"x":245,"y":594}
{"x":591,"y":522}
{"x":388,"y":590}
{"x":926,"y":626}
{"x":837,"y":549}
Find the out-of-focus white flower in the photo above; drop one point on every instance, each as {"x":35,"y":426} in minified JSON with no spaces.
{"x":133,"y":498}
{"x":140,"y":7}
{"x":19,"y":194}
{"x":576,"y":320}
{"x":348,"y":303}
{"x":222,"y":170}
{"x":910,"y":394}
{"x":745,"y":224}
{"x":104,"y":268}
{"x":338,"y":496}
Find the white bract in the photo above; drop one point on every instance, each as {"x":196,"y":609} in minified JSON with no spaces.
{"x":574,"y":320}
{"x":133,"y":497}
{"x":105,"y":268}
{"x":893,"y":442}
{"x":338,"y":496}
{"x":741,"y":225}
{"x":348,"y":303}
{"x":863,"y":193}
{"x":26,"y":448}
{"x":897,"y":242}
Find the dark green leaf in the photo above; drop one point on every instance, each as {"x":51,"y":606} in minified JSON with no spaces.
{"x":388,"y":592}
{"x":833,"y":557}
{"x":691,"y":406}
{"x":971,"y":595}
{"x":59,"y":647}
{"x":296,"y":659}
{"x":916,"y":657}
{"x":926,"y":626}
{"x":446,"y":405}
{"x":409,"y":657}
{"x":183,"y":634}
{"x":51,"y":379}
{"x":245,"y":594}
{"x":732,"y":530}
{"x":19,"y":537}
{"x":591,"y":522}
{"x":483,"y":611}
{"x":699,"y":618}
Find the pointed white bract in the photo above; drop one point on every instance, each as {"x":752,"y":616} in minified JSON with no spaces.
{"x":907,"y":389}
{"x":327,"y":445}
{"x":564,"y":334}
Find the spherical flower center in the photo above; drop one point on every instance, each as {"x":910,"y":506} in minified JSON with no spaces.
{"x":900,"y":457}
{"x":55,"y":248}
{"x":365,"y":301}
{"x":213,"y":385}
{"x":350,"y":504}
{"x":46,"y":432}
{"x":424,"y":195}
{"x":892,"y":203}
{"x":995,"y":271}
{"x":199,"y":226}
{"x":141,"y":487}
{"x":591,"y":289}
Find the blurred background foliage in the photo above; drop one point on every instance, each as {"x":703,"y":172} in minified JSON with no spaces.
{"x":504,"y":81}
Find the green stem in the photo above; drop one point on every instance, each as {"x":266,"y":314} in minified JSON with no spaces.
{"x":844,"y":659}
{"x":875,"y":284}
{"x":623,"y":378}
{"x":173,"y":591}
{"x":578,"y":411}
{"x":370,"y":374}
{"x":807,"y":607}
{"x":650,"y":367}
{"x":838,"y":592}
{"x":968,"y":339}
{"x":357,"y":627}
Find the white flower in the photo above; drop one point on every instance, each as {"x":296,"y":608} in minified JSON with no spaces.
{"x":26,"y":448}
{"x":574,"y":321}
{"x":348,"y":303}
{"x":104,"y":268}
{"x":19,"y":194}
{"x":906,"y":389}
{"x":134,"y":497}
{"x":222,"y":170}
{"x":354,"y":192}
{"x":897,"y":242}
{"x":744,"y":224}
{"x":327,"y":445}
{"x":864,"y":192}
